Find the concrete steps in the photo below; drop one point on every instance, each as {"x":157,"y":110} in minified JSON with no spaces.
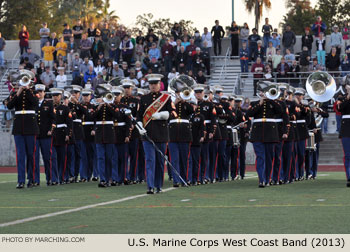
{"x":331,"y":150}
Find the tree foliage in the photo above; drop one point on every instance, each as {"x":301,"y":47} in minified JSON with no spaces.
{"x":257,"y":7}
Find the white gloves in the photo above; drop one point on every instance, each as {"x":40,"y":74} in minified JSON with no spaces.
{"x":164,"y":115}
{"x":141,"y":129}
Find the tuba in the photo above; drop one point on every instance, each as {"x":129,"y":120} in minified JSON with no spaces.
{"x":320,"y":86}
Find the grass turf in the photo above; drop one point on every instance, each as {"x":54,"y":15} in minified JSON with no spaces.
{"x":316,"y":206}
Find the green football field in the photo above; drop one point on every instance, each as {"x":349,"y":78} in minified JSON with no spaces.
{"x":317,"y":206}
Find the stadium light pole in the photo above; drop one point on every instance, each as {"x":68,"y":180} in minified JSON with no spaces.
{"x":233,"y":10}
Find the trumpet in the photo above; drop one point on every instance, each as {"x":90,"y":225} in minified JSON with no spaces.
{"x":273,"y":92}
{"x":109,"y":98}
{"x":186,"y":93}
{"x":26,"y":77}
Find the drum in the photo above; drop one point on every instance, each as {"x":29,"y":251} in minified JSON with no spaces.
{"x":311,"y":145}
{"x":235,"y":138}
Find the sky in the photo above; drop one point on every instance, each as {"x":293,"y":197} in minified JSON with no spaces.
{"x":201,"y":12}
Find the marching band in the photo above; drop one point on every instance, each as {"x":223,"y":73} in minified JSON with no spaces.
{"x":120,"y":134}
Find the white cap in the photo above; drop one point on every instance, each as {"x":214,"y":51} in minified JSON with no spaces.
{"x":154,"y":78}
{"x":56,"y":91}
{"x":117,"y":90}
{"x":127,"y":83}
{"x":40,"y":87}
{"x":76,"y":88}
{"x":86,"y":91}
{"x":300,"y":91}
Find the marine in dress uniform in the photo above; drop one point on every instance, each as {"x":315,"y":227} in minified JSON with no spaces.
{"x":123,"y":130}
{"x":155,"y":110}
{"x":89,"y":150}
{"x":344,"y":134}
{"x":198,"y":130}
{"x":63,"y":129}
{"x":25,"y":129}
{"x":205,"y":108}
{"x":78,"y":112}
{"x":264,"y":134}
{"x":141,"y":165}
{"x":214,"y":144}
{"x":302,"y":120}
{"x":133,"y":145}
{"x":46,"y":122}
{"x":105,"y":138}
{"x":180,"y":137}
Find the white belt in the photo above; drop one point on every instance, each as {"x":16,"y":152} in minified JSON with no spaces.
{"x":88,"y":123}
{"x":264,"y":120}
{"x":179,"y":121}
{"x":104,"y":122}
{"x":207,"y":121}
{"x":119,"y":124}
{"x":345,"y":117}
{"x":22,"y":112}
{"x":301,"y":121}
{"x":293,"y":121}
{"x":62,"y":125}
{"x":77,"y":120}
{"x":229,"y":127}
{"x":279,"y":120}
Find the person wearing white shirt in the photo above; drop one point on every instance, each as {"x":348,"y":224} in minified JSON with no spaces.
{"x":172,"y":74}
{"x":206,"y":36}
{"x":61,"y":78}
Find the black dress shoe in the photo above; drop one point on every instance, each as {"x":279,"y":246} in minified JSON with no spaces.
{"x":159,"y":190}
{"x":102,"y":184}
{"x":126,"y":182}
{"x":175,"y":185}
{"x":261,"y":185}
{"x":48,"y":183}
{"x":82,"y":180}
{"x":119,"y":183}
{"x":30,"y":185}
{"x":20,"y":186}
{"x":36,"y":184}
{"x":94,"y":179}
{"x":348,"y":183}
{"x":114,"y":183}
{"x":150,"y":191}
{"x":54,"y":183}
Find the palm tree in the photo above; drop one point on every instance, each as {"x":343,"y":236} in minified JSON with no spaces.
{"x":257,"y":6}
{"x":107,"y":16}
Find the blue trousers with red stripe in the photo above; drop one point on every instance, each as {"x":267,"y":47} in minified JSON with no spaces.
{"x":300,"y":158}
{"x":221,"y":160}
{"x":204,"y":162}
{"x":119,"y":165}
{"x":179,"y":154}
{"x":314,"y":160}
{"x":346,"y":147}
{"x":89,"y":160}
{"x":59,"y":171}
{"x":277,"y":161}
{"x":213,"y":154}
{"x":242,"y":149}
{"x":70,"y":161}
{"x":141,"y":162}
{"x":264,"y":155}
{"x":78,"y":148}
{"x":287,"y":151}
{"x":132,"y":148}
{"x":104,"y":153}
{"x":194,"y":164}
{"x":25,"y":154}
{"x":45,"y":146}
{"x":234,"y":161}
{"x":227,"y":160}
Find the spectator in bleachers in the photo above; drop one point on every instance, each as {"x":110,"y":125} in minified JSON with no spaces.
{"x":200,"y":78}
{"x":167,"y":56}
{"x":154,"y":52}
{"x":270,"y":51}
{"x":258,"y":70}
{"x":23,"y":36}
{"x":185,"y":42}
{"x":289,"y":57}
{"x":333,"y":61}
{"x":140,"y":37}
{"x":53,"y":42}
{"x":219,"y":33}
{"x":151,"y":34}
{"x":75,"y":65}
{"x":48,"y":51}
{"x":154,"y":65}
{"x":282,"y":70}
{"x":99,"y":66}
{"x":259,"y":52}
{"x":321,"y":49}
{"x":253,"y":44}
{"x":92,"y":32}
{"x":117,"y":72}
{"x":268,"y":73}
{"x":172,"y":41}
{"x":162,"y":40}
{"x":139,"y":50}
{"x":234,"y":32}
{"x":266,"y":30}
{"x":98,"y":79}
{"x":102,"y":58}
{"x":176,"y":31}
{"x":345,"y":65}
{"x":294,"y":70}
{"x":315,"y":66}
{"x":172,"y":74}
{"x":244,"y":33}
{"x":97,"y":48}
{"x":61,"y":78}
{"x":191,"y":51}
{"x":276,"y":42}
{"x":346,"y":33}
{"x":27,"y":65}
{"x":60,"y":62}
{"x":72,"y":49}
{"x":133,"y":77}
{"x":105,"y":75}
{"x":177,"y":48}
{"x":84,"y":67}
{"x":197,"y":63}
{"x":336,"y":39}
{"x":126,"y":48}
{"x":318,"y":27}
{"x":9,"y":83}
{"x":90,"y":74}
{"x":85,"y":46}
{"x":105,"y":34}
{"x":245,"y":104}
{"x":206,"y":56}
{"x":109,"y":67}
{"x":44,"y":33}
{"x":276,"y":59}
{"x":243,"y":57}
{"x":125,"y":68}
{"x":138,"y":70}
{"x":47,"y":78}
{"x":288,"y":39}
{"x":78,"y":30}
{"x":305,"y":58}
{"x":307,"y":40}
{"x":113,"y":47}
{"x":185,"y":35}
{"x":61,"y":48}
{"x":197,"y":39}
{"x":206,"y":37}
{"x":181,"y":60}
{"x":67,"y":33}
{"x":39,"y":70}
{"x":32,"y":57}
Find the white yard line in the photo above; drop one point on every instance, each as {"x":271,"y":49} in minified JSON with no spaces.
{"x":4,"y":182}
{"x":11,"y":223}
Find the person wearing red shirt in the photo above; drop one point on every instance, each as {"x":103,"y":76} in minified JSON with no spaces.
{"x":258,"y":70}
{"x":167,"y":55}
{"x":23,"y":36}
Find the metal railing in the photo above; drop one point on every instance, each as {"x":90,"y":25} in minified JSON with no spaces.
{"x":223,"y":68}
{"x":10,"y":66}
